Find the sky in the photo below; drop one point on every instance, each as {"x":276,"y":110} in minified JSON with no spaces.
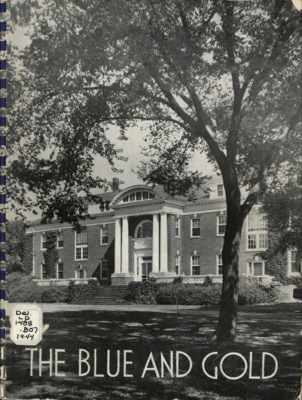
{"x":132,"y":148}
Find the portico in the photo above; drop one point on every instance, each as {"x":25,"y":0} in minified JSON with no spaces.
{"x":150,"y":249}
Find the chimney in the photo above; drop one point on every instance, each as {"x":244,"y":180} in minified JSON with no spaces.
{"x":115,"y":184}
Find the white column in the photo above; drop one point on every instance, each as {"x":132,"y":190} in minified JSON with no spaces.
{"x":125,"y":246}
{"x":163,"y":243}
{"x":155,"y":244}
{"x":117,"y":247}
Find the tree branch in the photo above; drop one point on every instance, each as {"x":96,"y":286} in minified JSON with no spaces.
{"x":172,"y":102}
{"x":259,"y":185}
{"x":257,"y":76}
{"x":228,"y":26}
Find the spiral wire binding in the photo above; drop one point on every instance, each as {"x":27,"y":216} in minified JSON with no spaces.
{"x":3,"y":128}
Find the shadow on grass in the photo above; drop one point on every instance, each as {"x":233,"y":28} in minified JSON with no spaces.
{"x":273,"y":330}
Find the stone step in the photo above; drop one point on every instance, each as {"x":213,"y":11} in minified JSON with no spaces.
{"x":287,"y":294}
{"x":104,"y":295}
{"x":101,"y":301}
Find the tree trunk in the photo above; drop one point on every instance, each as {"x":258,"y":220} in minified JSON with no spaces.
{"x":227,"y":325}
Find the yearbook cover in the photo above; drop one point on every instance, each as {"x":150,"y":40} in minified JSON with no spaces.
{"x":154,"y":224}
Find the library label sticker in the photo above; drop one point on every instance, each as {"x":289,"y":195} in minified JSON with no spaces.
{"x":26,"y":324}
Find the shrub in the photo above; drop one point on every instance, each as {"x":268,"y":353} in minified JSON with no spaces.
{"x":292,"y":280}
{"x":208,"y":281}
{"x":250,"y":292}
{"x":253,"y":292}
{"x":189,"y":294}
{"x":211,"y":294}
{"x":143,"y":292}
{"x":54,"y":294}
{"x":21,"y":288}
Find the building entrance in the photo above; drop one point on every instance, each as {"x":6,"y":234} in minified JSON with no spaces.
{"x":146,"y":268}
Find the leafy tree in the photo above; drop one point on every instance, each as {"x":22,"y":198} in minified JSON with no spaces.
{"x":283,"y":205}
{"x":51,"y":254}
{"x":19,"y":247}
{"x":218,"y":77}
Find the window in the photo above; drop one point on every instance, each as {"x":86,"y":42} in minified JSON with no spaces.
{"x":81,"y":252}
{"x":195,"y":227}
{"x":102,"y":206}
{"x":177,"y":264}
{"x":44,"y":274}
{"x":60,"y":241}
{"x":104,"y":269}
{"x":295,"y":261}
{"x":219,"y":264}
{"x":145,"y":230}
{"x":257,"y":240}
{"x":138,"y":196}
{"x":177,"y":227}
{"x":104,"y":235}
{"x":195,"y":265}
{"x":252,"y":242}
{"x":257,"y":222}
{"x":43,"y":242}
{"x":221,"y":224}
{"x":60,"y":274}
{"x":220,"y":190}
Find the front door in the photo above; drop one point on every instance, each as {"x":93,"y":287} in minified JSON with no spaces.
{"x":146,"y":269}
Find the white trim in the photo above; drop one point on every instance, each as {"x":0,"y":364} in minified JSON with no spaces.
{"x":80,"y":269}
{"x":101,"y":229}
{"x":205,"y":211}
{"x":223,"y":191}
{"x":70,"y":227}
{"x":177,"y":218}
{"x":191,"y":228}
{"x":217,"y":224}
{"x":57,"y":270}
{"x":80,"y":246}
{"x":256,"y":233}
{"x":41,"y":271}
{"x":58,"y":235}
{"x":191,"y":263}
{"x":251,"y":267}
{"x":138,"y":258}
{"x":289,"y":263}
{"x":217,"y":263}
{"x":177,"y":257}
{"x":163,"y":244}
{"x":139,"y":225}
{"x":163,"y":210}
{"x":101,"y":266}
{"x":135,"y":188}
{"x":41,"y":241}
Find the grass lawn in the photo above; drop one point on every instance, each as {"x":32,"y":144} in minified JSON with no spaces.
{"x":272,"y":328}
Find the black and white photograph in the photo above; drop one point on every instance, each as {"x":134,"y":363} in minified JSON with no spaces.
{"x":154,"y":197}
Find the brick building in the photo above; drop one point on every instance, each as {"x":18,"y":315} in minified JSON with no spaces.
{"x":140,"y":232}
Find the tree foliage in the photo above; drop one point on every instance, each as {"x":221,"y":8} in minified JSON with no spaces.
{"x":216,"y":71}
{"x":219,"y":77}
{"x":283,"y":205}
{"x":19,"y":248}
